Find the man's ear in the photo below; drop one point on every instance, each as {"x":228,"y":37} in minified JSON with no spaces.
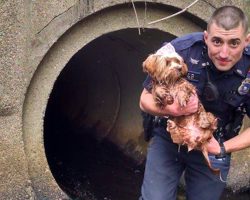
{"x":205,"y":36}
{"x":247,"y":40}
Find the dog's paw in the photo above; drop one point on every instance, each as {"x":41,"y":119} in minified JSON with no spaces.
{"x":203,"y":121}
{"x":162,"y":96}
{"x":182,"y":99}
{"x":170,"y":125}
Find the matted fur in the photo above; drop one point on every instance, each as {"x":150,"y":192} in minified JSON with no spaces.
{"x":168,"y":84}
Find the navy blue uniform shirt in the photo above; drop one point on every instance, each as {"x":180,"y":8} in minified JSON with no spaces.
{"x":194,"y":52}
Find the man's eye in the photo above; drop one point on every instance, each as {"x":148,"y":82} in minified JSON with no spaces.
{"x":234,"y":43}
{"x":216,"y":42}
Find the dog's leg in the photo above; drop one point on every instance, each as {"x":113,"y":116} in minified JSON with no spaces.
{"x":185,"y":91}
{"x":162,"y":96}
{"x":203,"y":121}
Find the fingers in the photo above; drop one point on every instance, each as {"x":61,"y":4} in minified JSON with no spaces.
{"x":192,"y":105}
{"x":193,"y":101}
{"x":213,"y":146}
{"x":176,"y":110}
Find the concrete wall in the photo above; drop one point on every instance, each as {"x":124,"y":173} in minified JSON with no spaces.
{"x":37,"y":39}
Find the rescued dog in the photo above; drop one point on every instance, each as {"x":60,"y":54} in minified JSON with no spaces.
{"x":168,"y":72}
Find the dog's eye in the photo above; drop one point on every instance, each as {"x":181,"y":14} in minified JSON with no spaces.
{"x":177,"y":61}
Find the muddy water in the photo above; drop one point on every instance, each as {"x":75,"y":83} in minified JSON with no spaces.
{"x":97,"y":170}
{"x":87,"y":169}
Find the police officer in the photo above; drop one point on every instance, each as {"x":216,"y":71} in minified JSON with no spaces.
{"x":219,"y":66}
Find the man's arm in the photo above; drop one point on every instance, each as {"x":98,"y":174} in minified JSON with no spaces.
{"x":236,"y":143}
{"x":147,"y":104}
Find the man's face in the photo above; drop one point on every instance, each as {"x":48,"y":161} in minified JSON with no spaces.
{"x":225,"y":47}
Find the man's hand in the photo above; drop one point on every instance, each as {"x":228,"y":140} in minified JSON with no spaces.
{"x":147,"y":104}
{"x":176,"y":110}
{"x":213,"y":146}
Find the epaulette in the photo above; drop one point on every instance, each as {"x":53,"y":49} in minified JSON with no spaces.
{"x":247,"y":50}
{"x":187,"y":41}
{"x":242,"y":67}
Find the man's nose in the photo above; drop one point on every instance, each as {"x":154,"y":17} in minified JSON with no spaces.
{"x":224,"y":51}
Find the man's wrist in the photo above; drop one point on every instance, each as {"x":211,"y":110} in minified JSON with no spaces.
{"x":223,"y":152}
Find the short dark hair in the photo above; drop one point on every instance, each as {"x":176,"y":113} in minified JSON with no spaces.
{"x":229,"y":17}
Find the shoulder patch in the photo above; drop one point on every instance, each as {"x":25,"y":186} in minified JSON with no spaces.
{"x":187,"y":41}
{"x":245,"y":85}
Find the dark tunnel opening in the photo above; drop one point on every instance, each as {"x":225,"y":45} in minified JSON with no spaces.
{"x":93,"y":110}
{"x":92,"y":123}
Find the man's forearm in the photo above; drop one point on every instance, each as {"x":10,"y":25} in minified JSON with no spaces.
{"x":147,"y":104}
{"x":238,"y":142}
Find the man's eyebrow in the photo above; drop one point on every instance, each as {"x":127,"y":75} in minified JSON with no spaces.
{"x":217,"y":38}
{"x":231,"y":40}
{"x":235,"y":39}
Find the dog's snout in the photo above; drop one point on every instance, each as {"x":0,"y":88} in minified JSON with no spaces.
{"x":178,"y":66}
{"x":175,"y":66}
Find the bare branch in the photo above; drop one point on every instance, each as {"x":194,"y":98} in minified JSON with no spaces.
{"x":170,"y":16}
{"x":137,"y":20}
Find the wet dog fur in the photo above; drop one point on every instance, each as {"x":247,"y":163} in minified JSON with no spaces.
{"x":168,"y":84}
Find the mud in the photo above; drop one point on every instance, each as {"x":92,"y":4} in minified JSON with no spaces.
{"x":88,"y":169}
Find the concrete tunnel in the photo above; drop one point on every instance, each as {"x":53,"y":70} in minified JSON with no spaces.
{"x":92,"y":114}
{"x":82,"y":122}
{"x":91,"y":111}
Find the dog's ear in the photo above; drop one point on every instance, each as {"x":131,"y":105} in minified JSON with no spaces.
{"x":149,"y":65}
{"x":184,"y":69}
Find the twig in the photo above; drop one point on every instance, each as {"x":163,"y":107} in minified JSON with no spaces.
{"x":139,"y":26}
{"x":170,"y":16}
{"x":145,"y":13}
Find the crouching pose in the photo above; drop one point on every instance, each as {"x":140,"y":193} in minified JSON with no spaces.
{"x":218,"y":66}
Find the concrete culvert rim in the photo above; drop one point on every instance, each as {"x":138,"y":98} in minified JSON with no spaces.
{"x":53,"y":64}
